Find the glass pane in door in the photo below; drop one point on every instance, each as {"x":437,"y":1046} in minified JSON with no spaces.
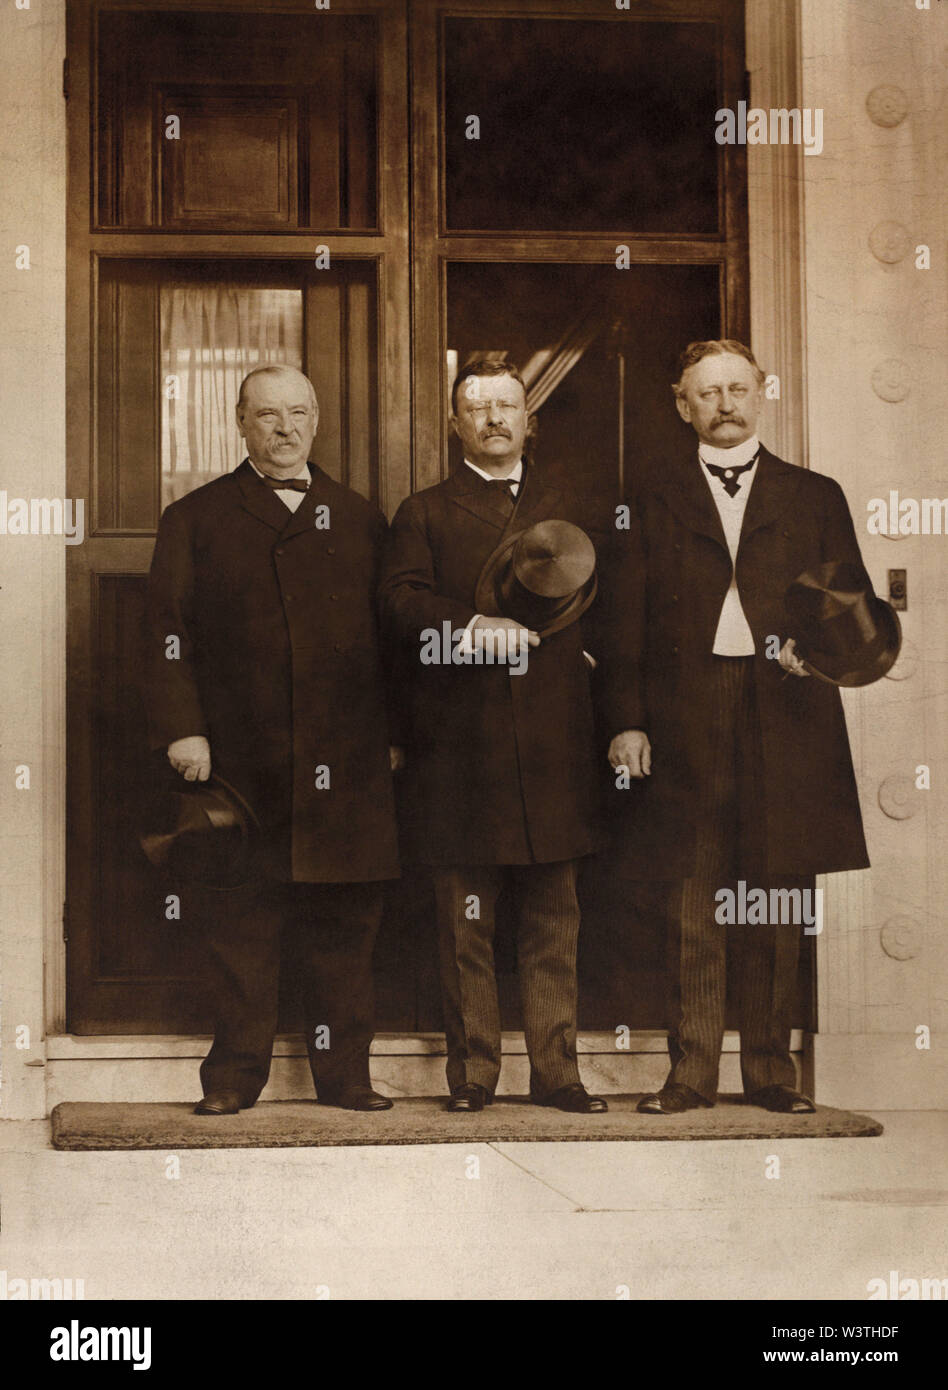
{"x":211,"y":336}
{"x":584,"y":125}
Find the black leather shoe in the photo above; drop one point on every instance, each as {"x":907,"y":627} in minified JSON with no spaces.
{"x":470,"y":1096}
{"x":220,"y":1103}
{"x":673,"y":1099}
{"x":355,"y":1098}
{"x":783,"y":1099}
{"x":576,"y":1100}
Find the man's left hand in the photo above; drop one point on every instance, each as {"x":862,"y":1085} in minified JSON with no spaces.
{"x":789,"y":660}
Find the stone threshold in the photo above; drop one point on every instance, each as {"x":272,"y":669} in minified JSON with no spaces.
{"x":65,"y":1047}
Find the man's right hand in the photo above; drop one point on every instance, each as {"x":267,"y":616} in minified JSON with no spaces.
{"x":632,"y":750}
{"x":515,"y":635}
{"x":191,"y":757}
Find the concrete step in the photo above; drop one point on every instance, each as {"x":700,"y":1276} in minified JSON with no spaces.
{"x":166,"y":1068}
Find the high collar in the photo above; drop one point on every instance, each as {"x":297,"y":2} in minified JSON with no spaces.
{"x":730,"y":458}
{"x":514,"y":476}
{"x":303,"y":472}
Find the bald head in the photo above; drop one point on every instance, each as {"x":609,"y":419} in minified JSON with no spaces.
{"x":277,"y":414}
{"x":273,"y":369}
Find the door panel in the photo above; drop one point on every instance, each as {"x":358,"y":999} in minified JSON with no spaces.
{"x":277,"y":112}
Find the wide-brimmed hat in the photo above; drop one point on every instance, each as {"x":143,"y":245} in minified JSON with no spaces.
{"x":844,"y":633}
{"x":543,"y":577}
{"x":201,"y":832}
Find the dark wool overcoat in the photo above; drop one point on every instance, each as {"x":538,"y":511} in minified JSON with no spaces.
{"x":500,"y":767}
{"x":664,"y":600}
{"x":280,"y":666}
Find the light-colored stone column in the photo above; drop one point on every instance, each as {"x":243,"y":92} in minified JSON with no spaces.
{"x":32,"y":590}
{"x":876,"y":352}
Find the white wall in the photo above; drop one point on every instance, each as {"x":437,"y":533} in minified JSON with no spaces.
{"x":32,"y":464}
{"x":883,"y":963}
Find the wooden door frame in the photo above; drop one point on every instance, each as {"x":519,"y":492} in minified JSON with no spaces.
{"x":777,"y":309}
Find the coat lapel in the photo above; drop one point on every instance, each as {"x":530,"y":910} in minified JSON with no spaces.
{"x":775,"y":485}
{"x":689,"y":497}
{"x":468,"y":491}
{"x":260,"y":500}
{"x":687,"y":493}
{"x":302,"y":519}
{"x":263,"y":502}
{"x":538,"y":501}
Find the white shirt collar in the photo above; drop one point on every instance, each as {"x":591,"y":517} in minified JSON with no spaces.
{"x":514,"y":476}
{"x":303,"y":473}
{"x":730,"y":458}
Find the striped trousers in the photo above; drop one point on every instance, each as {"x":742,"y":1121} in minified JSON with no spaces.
{"x":547,"y":923}
{"x":730,"y":801}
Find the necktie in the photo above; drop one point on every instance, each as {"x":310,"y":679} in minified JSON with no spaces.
{"x":282,"y":484}
{"x":730,"y":477}
{"x":500,"y":487}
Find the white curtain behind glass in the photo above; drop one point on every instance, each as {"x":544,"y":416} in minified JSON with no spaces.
{"x":211,"y":336}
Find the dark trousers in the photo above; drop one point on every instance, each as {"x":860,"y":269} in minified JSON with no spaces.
{"x":730,"y":804}
{"x":547,"y":922}
{"x":329,"y":931}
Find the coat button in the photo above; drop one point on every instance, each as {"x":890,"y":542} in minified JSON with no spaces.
{"x":334,"y":597}
{"x":279,"y":550}
{"x":677,"y":546}
{"x":287,"y":598}
{"x":674,"y":598}
{"x":674,"y":651}
{"x":331,"y":550}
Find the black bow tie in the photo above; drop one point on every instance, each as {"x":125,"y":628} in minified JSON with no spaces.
{"x":282,"y":484}
{"x":730,"y":477}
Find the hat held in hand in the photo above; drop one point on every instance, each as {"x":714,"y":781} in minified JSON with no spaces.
{"x":201,"y":832}
{"x":844,"y":633}
{"x":543,"y":578}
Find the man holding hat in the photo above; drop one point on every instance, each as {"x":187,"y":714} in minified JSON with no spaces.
{"x":500,"y":783}
{"x":738,"y":762}
{"x":264,"y":682}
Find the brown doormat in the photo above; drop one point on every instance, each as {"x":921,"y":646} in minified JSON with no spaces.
{"x":423,"y":1120}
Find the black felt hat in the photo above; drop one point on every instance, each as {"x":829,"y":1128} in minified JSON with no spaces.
{"x":543,"y":578}
{"x":201,"y":832}
{"x":843,"y":632}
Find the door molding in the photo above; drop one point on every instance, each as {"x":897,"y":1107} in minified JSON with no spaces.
{"x":776,"y":223}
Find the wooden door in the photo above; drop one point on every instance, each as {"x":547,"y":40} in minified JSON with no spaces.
{"x":237,"y":194}
{"x":572,"y":210}
{"x":214,"y":158}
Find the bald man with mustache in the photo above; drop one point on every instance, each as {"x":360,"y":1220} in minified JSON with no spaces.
{"x":267,"y":576}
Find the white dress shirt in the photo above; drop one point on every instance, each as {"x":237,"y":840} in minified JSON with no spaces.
{"x":513,"y":477}
{"x":290,"y":497}
{"x":733,"y":636}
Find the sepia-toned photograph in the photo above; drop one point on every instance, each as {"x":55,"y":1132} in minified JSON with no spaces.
{"x":474,"y":711}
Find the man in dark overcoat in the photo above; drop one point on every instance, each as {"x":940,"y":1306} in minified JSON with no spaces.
{"x":739,"y":763}
{"x":499,"y":780}
{"x":267,"y":578}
